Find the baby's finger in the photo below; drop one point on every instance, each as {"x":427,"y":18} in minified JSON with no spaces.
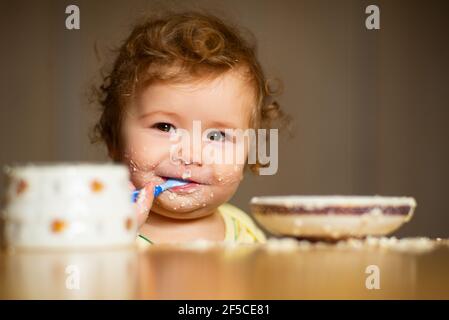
{"x":144,"y":203}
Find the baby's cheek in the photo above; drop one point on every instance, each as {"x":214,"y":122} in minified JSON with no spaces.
{"x":227,"y":179}
{"x":140,"y":166}
{"x":142,"y":152}
{"x":228,"y":175}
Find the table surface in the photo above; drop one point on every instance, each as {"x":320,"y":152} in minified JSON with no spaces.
{"x":281,"y":269}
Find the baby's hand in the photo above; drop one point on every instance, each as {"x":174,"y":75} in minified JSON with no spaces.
{"x":143,"y":203}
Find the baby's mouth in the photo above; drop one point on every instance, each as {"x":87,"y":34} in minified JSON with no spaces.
{"x":187,"y":188}
{"x":190,"y":187}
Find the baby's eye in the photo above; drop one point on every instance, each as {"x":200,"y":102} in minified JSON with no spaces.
{"x":216,"y":136}
{"x":164,"y":126}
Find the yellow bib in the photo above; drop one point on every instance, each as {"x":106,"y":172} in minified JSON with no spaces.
{"x":239,"y":227}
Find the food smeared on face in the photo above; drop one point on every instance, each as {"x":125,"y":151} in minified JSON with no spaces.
{"x":162,"y":110}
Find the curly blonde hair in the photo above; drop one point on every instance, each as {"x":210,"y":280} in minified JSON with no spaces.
{"x":179,"y":47}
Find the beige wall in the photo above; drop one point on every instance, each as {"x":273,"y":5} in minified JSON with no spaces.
{"x":371,"y":108}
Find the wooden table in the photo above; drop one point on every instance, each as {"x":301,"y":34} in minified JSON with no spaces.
{"x":278,"y":270}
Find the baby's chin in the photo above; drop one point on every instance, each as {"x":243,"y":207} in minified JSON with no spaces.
{"x":183,"y":213}
{"x":185,"y":205}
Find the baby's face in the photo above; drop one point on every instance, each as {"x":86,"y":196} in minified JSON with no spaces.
{"x":156,"y":117}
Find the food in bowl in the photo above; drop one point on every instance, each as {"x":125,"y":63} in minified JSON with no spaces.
{"x":332,"y":217}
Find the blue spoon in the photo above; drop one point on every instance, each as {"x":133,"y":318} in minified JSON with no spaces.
{"x":170,"y":183}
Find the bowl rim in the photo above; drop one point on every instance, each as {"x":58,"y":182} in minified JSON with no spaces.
{"x":319,"y":201}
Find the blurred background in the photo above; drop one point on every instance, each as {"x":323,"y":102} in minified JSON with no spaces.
{"x":370,"y":107}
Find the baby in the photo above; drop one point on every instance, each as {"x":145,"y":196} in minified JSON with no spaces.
{"x":176,"y":74}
